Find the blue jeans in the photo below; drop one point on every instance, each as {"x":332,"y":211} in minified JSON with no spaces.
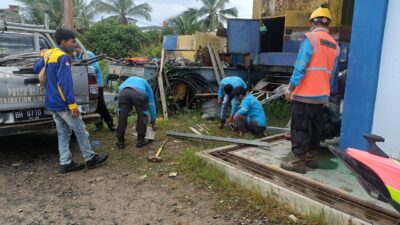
{"x":225,"y":105}
{"x":65,"y":124}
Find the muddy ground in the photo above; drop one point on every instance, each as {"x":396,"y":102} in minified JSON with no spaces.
{"x":125,"y":190}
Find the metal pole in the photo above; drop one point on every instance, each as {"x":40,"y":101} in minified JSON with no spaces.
{"x":68,"y":15}
{"x":46,"y":21}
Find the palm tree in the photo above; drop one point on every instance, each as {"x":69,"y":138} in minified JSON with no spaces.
{"x":83,"y":14}
{"x":124,"y":8}
{"x":33,"y":12}
{"x":213,"y":14}
{"x":184,"y":24}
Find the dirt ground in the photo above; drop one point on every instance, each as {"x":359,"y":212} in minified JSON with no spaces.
{"x":125,"y":190}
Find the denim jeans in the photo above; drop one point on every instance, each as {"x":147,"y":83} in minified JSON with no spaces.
{"x":65,"y":124}
{"x":225,"y":105}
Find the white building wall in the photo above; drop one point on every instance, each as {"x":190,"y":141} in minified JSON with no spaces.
{"x":387,"y":107}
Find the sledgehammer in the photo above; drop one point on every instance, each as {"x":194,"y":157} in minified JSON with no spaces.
{"x":156,"y":158}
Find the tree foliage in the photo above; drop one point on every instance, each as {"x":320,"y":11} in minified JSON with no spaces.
{"x":123,"y":9}
{"x":184,"y":24}
{"x":213,"y":14}
{"x":33,"y":12}
{"x":119,"y":40}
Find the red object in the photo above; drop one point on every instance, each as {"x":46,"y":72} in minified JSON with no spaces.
{"x":316,"y":80}
{"x":137,"y":60}
{"x":386,"y":168}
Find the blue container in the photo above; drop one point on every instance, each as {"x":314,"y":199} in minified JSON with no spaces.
{"x":274,"y":59}
{"x":170,"y":42}
{"x":243,"y":36}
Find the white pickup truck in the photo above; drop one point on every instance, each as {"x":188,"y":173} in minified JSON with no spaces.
{"x":22,"y":107}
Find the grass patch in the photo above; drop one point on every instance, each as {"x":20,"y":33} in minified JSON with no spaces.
{"x":234,"y":199}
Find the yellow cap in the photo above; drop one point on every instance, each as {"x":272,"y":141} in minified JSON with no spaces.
{"x":321,"y":12}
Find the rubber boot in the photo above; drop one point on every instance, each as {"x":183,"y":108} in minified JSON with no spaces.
{"x":222,"y":123}
{"x":312,"y":159}
{"x":297,"y":165}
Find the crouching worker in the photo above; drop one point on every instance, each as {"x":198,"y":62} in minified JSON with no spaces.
{"x":135,"y":91}
{"x":60,"y":101}
{"x":250,"y":116}
{"x":225,"y":97}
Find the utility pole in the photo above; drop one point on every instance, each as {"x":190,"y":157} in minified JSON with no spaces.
{"x":68,"y":14}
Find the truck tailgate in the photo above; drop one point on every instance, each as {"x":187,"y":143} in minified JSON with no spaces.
{"x":22,"y":91}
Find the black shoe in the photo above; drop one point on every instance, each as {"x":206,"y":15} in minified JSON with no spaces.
{"x":120,"y":145}
{"x":111,"y":127}
{"x":222,"y":123}
{"x":143,"y":143}
{"x":72,"y":167}
{"x":97,"y":159}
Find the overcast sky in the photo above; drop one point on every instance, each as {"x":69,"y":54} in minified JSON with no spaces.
{"x":163,"y":9}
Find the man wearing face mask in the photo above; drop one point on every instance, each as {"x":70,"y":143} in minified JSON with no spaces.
{"x":60,"y":101}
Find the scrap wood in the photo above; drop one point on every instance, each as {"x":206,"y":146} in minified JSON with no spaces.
{"x":214,"y":63}
{"x":222,"y":139}
{"x":278,"y":129}
{"x":195,"y":131}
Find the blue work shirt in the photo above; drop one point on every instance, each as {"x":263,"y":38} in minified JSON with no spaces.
{"x":300,"y":67}
{"x":96,"y":67}
{"x":253,"y":110}
{"x":235,"y":82}
{"x":142,"y":85}
{"x":59,"y":84}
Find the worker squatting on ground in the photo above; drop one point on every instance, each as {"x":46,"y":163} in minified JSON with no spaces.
{"x":135,"y":91}
{"x":225,"y":97}
{"x":101,"y":104}
{"x":315,"y":71}
{"x":251,"y":116}
{"x":60,"y":101}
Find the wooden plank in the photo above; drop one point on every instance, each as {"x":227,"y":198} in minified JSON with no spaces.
{"x":206,"y":95}
{"x":222,"y":139}
{"x":219,"y":63}
{"x":161,"y":86}
{"x":214,"y":63}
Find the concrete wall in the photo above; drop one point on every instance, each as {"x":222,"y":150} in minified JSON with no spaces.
{"x":386,"y":120}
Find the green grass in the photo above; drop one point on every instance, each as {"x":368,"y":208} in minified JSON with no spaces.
{"x":234,"y":199}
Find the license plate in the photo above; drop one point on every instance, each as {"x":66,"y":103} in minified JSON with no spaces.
{"x":31,"y":114}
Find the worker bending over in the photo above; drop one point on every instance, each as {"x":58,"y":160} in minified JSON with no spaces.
{"x":250,"y":116}
{"x":227,"y":85}
{"x":309,"y":89}
{"x":135,"y":91}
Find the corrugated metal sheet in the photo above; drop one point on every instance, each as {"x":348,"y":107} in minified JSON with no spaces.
{"x":243,"y":36}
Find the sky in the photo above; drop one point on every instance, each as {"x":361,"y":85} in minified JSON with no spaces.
{"x":163,"y":9}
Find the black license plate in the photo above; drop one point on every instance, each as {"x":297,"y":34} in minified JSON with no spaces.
{"x":31,"y":114}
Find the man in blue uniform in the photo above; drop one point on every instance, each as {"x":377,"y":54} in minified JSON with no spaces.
{"x":227,"y":85}
{"x":60,"y":101}
{"x":135,"y":91}
{"x":101,"y":105}
{"x":250,"y":116}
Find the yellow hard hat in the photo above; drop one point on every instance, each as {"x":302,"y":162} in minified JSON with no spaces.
{"x":322,"y":11}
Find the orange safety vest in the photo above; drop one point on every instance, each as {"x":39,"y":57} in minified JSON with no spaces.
{"x":316,"y":81}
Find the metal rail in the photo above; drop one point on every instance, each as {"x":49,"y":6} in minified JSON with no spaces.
{"x":328,"y":196}
{"x":216,"y":138}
